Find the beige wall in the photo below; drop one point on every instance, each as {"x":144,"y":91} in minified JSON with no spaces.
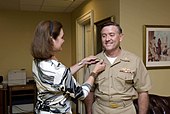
{"x":132,"y":15}
{"x":16,"y":33}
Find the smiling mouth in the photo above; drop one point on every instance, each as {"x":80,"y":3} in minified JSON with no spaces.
{"x":108,"y":43}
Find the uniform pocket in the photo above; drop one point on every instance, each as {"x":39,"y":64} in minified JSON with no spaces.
{"x":102,"y":84}
{"x":123,"y":81}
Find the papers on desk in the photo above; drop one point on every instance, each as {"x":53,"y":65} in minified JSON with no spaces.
{"x":24,"y":108}
{"x":17,"y":77}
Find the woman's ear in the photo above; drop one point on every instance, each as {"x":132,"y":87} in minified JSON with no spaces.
{"x":53,"y":41}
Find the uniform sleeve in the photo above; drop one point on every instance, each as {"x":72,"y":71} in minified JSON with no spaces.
{"x":58,"y":78}
{"x":142,"y":80}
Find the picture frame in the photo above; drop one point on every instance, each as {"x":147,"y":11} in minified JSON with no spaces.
{"x":157,"y":46}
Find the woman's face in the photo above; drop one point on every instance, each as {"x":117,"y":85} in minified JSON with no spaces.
{"x":59,"y":41}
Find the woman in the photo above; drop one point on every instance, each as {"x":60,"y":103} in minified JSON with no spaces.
{"x":55,"y":82}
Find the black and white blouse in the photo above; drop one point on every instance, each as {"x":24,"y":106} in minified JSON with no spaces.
{"x":56,"y":86}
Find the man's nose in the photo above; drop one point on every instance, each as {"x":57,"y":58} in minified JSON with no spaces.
{"x":107,"y":37}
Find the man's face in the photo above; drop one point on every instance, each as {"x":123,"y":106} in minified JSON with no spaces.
{"x":111,"y":38}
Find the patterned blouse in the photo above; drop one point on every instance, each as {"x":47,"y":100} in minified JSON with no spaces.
{"x":56,"y":86}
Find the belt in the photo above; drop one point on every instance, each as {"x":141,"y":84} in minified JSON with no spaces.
{"x":114,"y":104}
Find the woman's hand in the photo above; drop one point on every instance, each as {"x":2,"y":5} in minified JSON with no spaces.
{"x":83,"y":62}
{"x":89,"y":60}
{"x":100,"y":66}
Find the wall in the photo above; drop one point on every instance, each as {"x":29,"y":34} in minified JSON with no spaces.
{"x":132,"y":15}
{"x":16,"y":33}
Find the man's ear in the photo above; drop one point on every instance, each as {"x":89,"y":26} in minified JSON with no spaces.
{"x":121,"y":37}
{"x":52,"y":39}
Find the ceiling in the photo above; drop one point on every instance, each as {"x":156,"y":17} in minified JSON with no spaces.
{"x":40,"y":5}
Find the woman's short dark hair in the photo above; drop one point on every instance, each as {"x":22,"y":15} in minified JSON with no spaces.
{"x":42,"y":45}
{"x":114,"y":24}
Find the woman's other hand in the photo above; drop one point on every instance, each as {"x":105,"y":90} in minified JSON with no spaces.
{"x":89,"y":60}
{"x":99,"y":67}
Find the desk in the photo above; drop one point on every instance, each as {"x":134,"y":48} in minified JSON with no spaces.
{"x":21,"y":94}
{"x":3,"y":100}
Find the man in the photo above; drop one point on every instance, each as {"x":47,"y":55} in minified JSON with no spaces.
{"x":124,"y":78}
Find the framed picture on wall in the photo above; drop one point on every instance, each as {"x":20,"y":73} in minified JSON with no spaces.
{"x":157,"y":46}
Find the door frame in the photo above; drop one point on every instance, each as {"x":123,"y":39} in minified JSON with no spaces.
{"x":80,"y":23}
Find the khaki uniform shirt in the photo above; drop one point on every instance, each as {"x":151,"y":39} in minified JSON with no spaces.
{"x":121,"y":80}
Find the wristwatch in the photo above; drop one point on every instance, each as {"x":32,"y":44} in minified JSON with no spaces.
{"x":93,"y":75}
